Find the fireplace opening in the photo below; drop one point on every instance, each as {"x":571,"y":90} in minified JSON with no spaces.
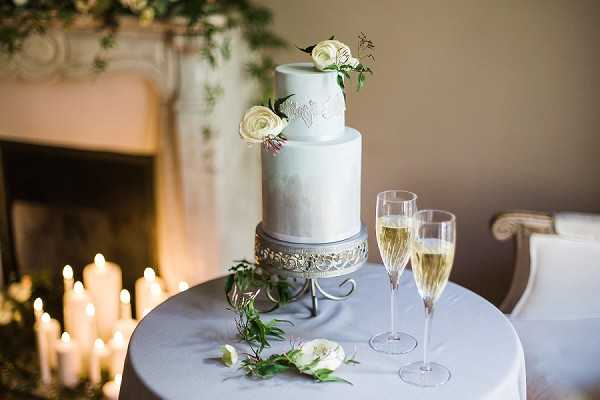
{"x":62,"y":206}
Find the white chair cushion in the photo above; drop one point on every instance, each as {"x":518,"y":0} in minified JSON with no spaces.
{"x":564,"y":282}
{"x":577,"y":225}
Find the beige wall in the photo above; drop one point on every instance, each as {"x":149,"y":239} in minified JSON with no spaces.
{"x":478,"y":106}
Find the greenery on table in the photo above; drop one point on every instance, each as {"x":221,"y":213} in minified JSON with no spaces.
{"x":246,"y":281}
{"x":19,"y":366}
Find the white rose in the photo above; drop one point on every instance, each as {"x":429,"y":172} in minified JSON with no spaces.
{"x":330,"y":52}
{"x":20,"y":291}
{"x":259,"y":123}
{"x":230,"y":355}
{"x":330,"y":354}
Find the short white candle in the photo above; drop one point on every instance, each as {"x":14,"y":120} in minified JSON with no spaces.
{"x":38,"y":308}
{"x":148,"y":293}
{"x":42,"y":345}
{"x":111,"y":389}
{"x":69,"y":361}
{"x":118,"y":351}
{"x":68,"y":277}
{"x":104,"y":281}
{"x":125,"y":299}
{"x":98,"y":361}
{"x":80,"y":317}
{"x":183,"y":286}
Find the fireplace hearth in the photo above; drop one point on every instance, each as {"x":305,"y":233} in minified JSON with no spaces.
{"x":62,"y":206}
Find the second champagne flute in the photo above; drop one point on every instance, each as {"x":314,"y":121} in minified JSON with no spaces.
{"x":395,"y":209}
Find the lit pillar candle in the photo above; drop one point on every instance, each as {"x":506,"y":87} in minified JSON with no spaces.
{"x":98,"y":361}
{"x":145,"y":299}
{"x":42,"y":346}
{"x":68,"y":277}
{"x":125,"y":324}
{"x":52,"y":335}
{"x":80,"y":316}
{"x":69,"y":361}
{"x":111,"y":389}
{"x":104,"y":281}
{"x":118,"y":351}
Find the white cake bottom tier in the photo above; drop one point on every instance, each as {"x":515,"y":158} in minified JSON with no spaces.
{"x":311,"y":190}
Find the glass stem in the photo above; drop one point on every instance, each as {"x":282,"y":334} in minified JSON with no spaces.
{"x":393,"y":322}
{"x":427,"y":334}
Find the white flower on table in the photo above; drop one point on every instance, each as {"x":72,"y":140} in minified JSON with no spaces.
{"x":330,"y":355}
{"x":260,"y":123}
{"x":230,"y":355}
{"x":332,"y":52}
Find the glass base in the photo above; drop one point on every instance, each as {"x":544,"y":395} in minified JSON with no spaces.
{"x":399,"y":343}
{"x":416,"y":374}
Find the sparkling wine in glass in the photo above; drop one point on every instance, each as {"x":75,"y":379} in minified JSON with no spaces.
{"x":431,"y":260}
{"x":395,"y":209}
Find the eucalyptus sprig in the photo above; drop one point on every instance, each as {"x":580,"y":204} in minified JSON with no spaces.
{"x":247,"y":276}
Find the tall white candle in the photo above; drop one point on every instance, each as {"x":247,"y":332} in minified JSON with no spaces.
{"x":125,"y":299}
{"x":69,"y":361}
{"x":145,"y":300}
{"x":80,"y":319}
{"x":42,"y":346}
{"x":118,"y":351}
{"x":68,"y":277}
{"x":98,"y":361}
{"x":104,"y":281}
{"x":111,"y":389}
{"x":52,"y":335}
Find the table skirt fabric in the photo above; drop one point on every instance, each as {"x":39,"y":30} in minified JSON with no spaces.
{"x":174,"y":352}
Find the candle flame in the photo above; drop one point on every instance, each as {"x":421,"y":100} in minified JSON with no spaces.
{"x":38,"y":304}
{"x":118,"y":338}
{"x":149,"y":274}
{"x":99,"y":344}
{"x":65,"y":337}
{"x":118,"y":378}
{"x":67,"y":272}
{"x":100,"y":261}
{"x":90,"y":310}
{"x":183,"y":286}
{"x":125,"y":296}
{"x":45,"y":317}
{"x":78,"y":287}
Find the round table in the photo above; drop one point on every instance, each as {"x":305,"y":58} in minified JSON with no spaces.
{"x":174,"y":352}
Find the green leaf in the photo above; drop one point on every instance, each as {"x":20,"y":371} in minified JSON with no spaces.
{"x":229,"y":283}
{"x":340,"y":81}
{"x":308,"y":49}
{"x":332,"y":37}
{"x":361,"y":81}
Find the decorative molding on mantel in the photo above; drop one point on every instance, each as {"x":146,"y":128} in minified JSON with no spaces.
{"x":198,"y":196}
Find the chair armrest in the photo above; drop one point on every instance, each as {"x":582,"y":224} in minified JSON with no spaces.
{"x":520,"y":225}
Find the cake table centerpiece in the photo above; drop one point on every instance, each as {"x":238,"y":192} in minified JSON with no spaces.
{"x":311,"y":171}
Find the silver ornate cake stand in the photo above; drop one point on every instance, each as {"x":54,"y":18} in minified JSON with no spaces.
{"x":312,"y":262}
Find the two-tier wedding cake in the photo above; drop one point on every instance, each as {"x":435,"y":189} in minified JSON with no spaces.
{"x":311,"y":188}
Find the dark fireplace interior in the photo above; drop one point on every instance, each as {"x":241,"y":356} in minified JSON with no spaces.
{"x":62,"y":206}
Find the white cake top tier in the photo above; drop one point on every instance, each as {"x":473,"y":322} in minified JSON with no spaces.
{"x":316,"y":110}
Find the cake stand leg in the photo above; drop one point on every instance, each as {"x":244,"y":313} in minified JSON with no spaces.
{"x":313,"y":294}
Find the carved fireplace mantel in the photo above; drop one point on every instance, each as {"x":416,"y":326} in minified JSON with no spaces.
{"x":207,"y":187}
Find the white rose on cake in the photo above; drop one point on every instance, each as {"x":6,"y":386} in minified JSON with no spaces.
{"x":331,"y":52}
{"x":260,"y":124}
{"x":330,"y":355}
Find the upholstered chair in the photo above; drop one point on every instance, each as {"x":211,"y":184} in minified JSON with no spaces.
{"x":554,"y":300}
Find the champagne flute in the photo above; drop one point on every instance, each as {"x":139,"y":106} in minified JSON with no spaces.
{"x":432,"y":257}
{"x":395,"y":209}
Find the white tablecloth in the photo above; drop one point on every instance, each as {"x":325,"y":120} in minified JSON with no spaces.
{"x":173,"y":353}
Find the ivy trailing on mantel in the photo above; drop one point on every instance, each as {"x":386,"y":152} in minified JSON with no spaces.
{"x":209,"y":20}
